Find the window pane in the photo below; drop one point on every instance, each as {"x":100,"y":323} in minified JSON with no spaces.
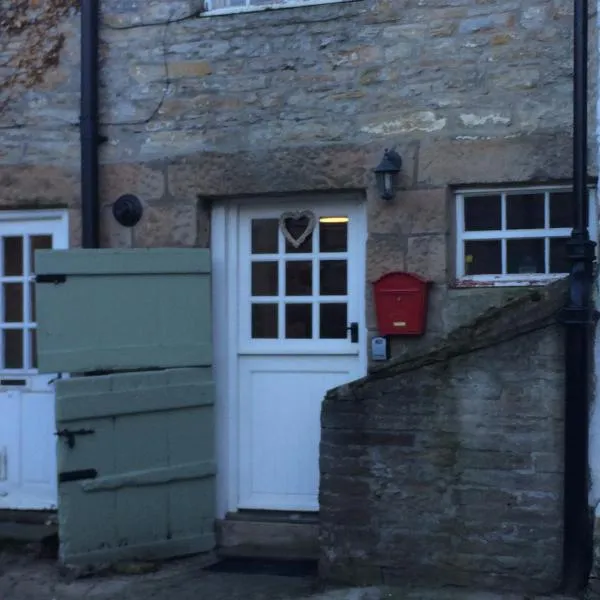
{"x":214,"y":4}
{"x":13,"y":348}
{"x":525,"y":211}
{"x":13,"y":302}
{"x":334,"y":278}
{"x":525,"y":256}
{"x":33,"y":346}
{"x":13,"y":256}
{"x":38,"y":242}
{"x":264,"y":279}
{"x":559,"y":262}
{"x":298,"y":278}
{"x":264,"y":321}
{"x":297,"y":229}
{"x":561,"y":209}
{"x":483,"y":257}
{"x":333,"y":321}
{"x":333,"y":237}
{"x":32,"y":301}
{"x":265,"y":234}
{"x":298,"y":321}
{"x":482,"y":213}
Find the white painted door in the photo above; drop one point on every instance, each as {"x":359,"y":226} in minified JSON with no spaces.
{"x":27,"y":441}
{"x":295,"y":340}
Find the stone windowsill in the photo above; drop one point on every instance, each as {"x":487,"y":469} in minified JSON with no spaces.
{"x":505,"y":281}
{"x":288,"y":4}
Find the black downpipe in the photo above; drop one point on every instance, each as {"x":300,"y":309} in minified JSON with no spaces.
{"x":578,"y":317}
{"x":89,"y":126}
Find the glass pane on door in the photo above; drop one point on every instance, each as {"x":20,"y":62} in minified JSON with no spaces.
{"x":12,"y":249}
{"x":12,"y":343}
{"x":38,"y":242}
{"x":264,"y":321}
{"x":17,"y":299}
{"x":305,"y":277}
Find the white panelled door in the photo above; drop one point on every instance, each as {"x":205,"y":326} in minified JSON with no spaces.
{"x":300,"y":332}
{"x":27,"y":441}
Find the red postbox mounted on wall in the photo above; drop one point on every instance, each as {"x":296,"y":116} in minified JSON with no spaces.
{"x":401,"y":303}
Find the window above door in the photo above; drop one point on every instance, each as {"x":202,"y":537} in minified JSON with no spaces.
{"x":514,"y":236}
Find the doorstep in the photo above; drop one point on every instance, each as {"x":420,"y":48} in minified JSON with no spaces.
{"x":268,"y":534}
{"x":27,"y":526}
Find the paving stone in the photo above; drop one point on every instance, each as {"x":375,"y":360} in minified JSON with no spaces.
{"x":23,"y":577}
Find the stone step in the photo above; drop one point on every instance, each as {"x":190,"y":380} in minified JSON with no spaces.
{"x":268,"y":538}
{"x":35,"y":517}
{"x":268,"y":552}
{"x":26,"y":532}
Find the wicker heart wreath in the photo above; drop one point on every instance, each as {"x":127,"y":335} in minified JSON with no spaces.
{"x":297,"y":240}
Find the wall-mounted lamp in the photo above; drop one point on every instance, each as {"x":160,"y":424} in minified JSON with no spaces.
{"x":386,"y":174}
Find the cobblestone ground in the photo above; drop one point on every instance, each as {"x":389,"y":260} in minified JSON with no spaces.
{"x":23,"y":577}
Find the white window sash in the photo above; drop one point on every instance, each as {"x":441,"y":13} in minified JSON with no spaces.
{"x":503,"y":235}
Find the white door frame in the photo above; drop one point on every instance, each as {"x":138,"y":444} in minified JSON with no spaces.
{"x":225,"y":277}
{"x":32,"y":222}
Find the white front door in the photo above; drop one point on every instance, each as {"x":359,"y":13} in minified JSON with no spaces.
{"x":299,"y":331}
{"x":27,"y":441}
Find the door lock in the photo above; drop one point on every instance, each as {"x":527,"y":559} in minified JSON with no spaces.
{"x":353,"y":329}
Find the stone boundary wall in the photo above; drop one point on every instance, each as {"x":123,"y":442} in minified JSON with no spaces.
{"x":447,"y":467}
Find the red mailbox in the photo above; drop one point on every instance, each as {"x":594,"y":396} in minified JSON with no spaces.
{"x":401,"y":304}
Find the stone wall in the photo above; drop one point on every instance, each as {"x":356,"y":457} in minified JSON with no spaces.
{"x":447,"y":467}
{"x":198,"y":107}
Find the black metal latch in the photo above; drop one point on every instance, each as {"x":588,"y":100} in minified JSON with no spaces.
{"x":55,"y":278}
{"x":70,"y":434}
{"x":353,"y":329}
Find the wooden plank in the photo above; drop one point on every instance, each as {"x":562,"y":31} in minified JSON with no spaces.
{"x":107,"y":323}
{"x":183,"y":546}
{"x":153,"y":448}
{"x":196,"y":470}
{"x":131,"y":393}
{"x":132,"y":261}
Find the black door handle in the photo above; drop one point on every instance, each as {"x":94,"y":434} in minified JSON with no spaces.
{"x":353,"y":329}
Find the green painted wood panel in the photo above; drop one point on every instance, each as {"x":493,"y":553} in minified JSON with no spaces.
{"x":124,"y":309}
{"x":153,"y":448}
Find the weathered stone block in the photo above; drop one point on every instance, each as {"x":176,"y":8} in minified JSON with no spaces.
{"x":38,"y":187}
{"x":426,"y":256}
{"x":167,"y":224}
{"x":144,"y":180}
{"x":542,"y":158}
{"x":412,"y":212}
{"x":385,"y":253}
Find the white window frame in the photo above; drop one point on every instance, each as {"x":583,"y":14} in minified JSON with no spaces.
{"x":25,"y":223}
{"x":513,"y":279}
{"x":215,"y":12}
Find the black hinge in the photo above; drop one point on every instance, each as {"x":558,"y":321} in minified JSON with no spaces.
{"x":67,"y":476}
{"x":50,"y":278}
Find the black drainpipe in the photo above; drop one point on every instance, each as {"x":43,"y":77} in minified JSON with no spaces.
{"x":578,"y":317}
{"x":89,"y":129}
